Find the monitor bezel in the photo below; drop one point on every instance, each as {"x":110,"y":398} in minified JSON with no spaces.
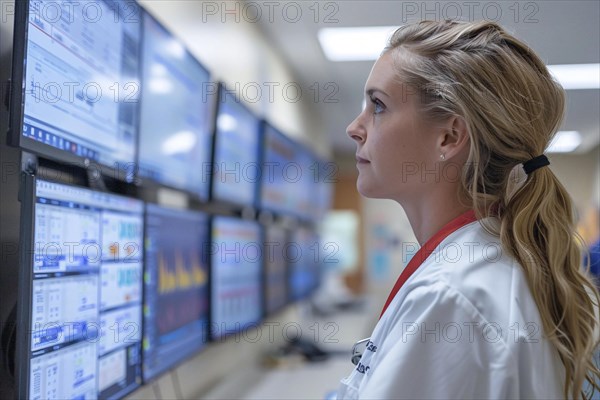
{"x":26,"y":243}
{"x":15,"y":135}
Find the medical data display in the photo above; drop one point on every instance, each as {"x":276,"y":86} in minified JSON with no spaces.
{"x":175,"y":137}
{"x":236,"y":258}
{"x":80,"y":85}
{"x":176,"y":288}
{"x":86,"y":294}
{"x":236,"y":160}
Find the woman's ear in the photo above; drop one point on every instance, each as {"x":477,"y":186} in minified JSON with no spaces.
{"x":454,"y":138}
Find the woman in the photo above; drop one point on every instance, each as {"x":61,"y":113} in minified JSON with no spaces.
{"x":494,"y":304}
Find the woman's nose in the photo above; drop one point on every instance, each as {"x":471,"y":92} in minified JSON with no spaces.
{"x":356,"y":130}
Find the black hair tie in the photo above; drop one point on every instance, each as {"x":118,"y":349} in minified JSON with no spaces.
{"x":535,"y":163}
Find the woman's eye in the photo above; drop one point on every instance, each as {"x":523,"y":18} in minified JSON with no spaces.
{"x":378,"y":106}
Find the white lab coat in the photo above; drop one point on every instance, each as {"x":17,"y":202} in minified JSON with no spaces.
{"x":463,"y":326}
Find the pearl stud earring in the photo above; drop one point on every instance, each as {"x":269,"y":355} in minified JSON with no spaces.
{"x":442,"y":157}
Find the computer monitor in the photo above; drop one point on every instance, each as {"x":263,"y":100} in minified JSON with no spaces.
{"x":236,"y":174}
{"x":236,"y":289}
{"x":276,"y":268}
{"x":175,"y":136}
{"x":279,"y":172}
{"x":304,"y":255}
{"x":80,"y":294}
{"x":75,"y":83}
{"x":176,"y":287}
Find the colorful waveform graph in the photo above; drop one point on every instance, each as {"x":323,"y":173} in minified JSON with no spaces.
{"x":180,"y":275}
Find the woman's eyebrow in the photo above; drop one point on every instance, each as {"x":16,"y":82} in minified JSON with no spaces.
{"x":372,"y":91}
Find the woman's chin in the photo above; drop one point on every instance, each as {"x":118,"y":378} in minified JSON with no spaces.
{"x":367,"y":190}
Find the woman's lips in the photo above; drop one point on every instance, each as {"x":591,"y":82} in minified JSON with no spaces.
{"x":360,"y":160}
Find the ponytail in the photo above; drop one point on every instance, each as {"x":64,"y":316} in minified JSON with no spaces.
{"x":538,"y":229}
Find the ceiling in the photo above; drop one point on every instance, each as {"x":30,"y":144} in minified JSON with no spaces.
{"x":561,"y":32}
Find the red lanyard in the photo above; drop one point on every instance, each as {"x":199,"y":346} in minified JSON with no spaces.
{"x":426,"y":250}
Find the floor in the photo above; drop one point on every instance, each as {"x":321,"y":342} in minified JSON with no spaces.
{"x":311,"y":381}
{"x":298,"y":379}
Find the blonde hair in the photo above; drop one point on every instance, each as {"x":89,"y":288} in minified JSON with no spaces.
{"x":513,"y":108}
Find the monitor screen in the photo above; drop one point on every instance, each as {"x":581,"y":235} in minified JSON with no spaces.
{"x":84,"y":298}
{"x":275,"y":248}
{"x":304,"y":255}
{"x":236,"y":174}
{"x":76,"y":86}
{"x":279,"y":172}
{"x":175,"y":139}
{"x":236,"y":258}
{"x":176,"y":287}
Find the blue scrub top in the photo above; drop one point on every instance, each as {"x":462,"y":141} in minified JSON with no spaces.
{"x":595,"y":260}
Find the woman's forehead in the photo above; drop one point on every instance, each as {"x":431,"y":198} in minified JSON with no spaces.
{"x":384,"y":78}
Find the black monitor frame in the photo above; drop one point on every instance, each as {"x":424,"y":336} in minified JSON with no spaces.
{"x":23,"y":342}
